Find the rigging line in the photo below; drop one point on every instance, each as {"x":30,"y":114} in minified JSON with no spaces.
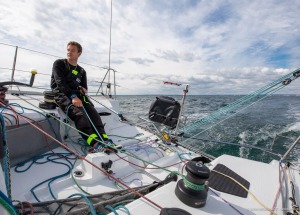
{"x":227,"y":117}
{"x":50,"y":55}
{"x":247,"y":190}
{"x":60,"y":121}
{"x":214,"y":115}
{"x":227,"y":202}
{"x":171,"y":165}
{"x":295,"y":207}
{"x":50,"y":115}
{"x":280,"y":186}
{"x":119,"y":114}
{"x":254,"y":94}
{"x":235,"y":144}
{"x":36,"y":87}
{"x":109,"y":53}
{"x":91,"y":163}
{"x":224,"y":110}
{"x":20,"y":70}
{"x":134,"y":156}
{"x":102,"y":81}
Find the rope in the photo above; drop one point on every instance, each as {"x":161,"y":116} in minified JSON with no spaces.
{"x":233,"y":207}
{"x":6,"y":160}
{"x":254,"y":197}
{"x":51,"y":180}
{"x":93,"y":212}
{"x":119,"y":114}
{"x":111,"y":209}
{"x":186,"y":182}
{"x":123,"y":207}
{"x":234,"y":144}
{"x":279,"y":187}
{"x":295,"y":206}
{"x":50,"y":157}
{"x":6,"y":165}
{"x":109,"y":52}
{"x":194,"y":186}
{"x":251,"y":98}
{"x":94,"y":165}
{"x":191,"y":185}
{"x":120,"y":150}
{"x":54,"y":117}
{"x":7,"y":204}
{"x":95,"y":129}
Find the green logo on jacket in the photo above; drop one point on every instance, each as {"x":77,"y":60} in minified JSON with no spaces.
{"x":74,"y":72}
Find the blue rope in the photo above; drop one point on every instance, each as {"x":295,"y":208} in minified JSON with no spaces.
{"x":13,"y":105}
{"x":50,"y":157}
{"x":10,"y":206}
{"x":123,"y":207}
{"x":24,"y":108}
{"x":80,"y":141}
{"x":6,"y":199}
{"x":3,"y":128}
{"x":99,"y":135}
{"x":8,"y":119}
{"x":111,"y":209}
{"x":87,"y":201}
{"x":6,"y":171}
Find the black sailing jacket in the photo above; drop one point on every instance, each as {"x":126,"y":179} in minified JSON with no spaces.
{"x":67,"y":78}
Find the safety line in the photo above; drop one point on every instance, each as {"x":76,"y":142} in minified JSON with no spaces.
{"x":91,"y":163}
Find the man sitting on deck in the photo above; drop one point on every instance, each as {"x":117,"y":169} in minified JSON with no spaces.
{"x":69,"y":83}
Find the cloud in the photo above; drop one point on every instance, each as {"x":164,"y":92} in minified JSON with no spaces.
{"x":141,"y":60}
{"x":226,"y":47}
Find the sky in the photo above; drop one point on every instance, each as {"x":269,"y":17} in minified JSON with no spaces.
{"x":214,"y":46}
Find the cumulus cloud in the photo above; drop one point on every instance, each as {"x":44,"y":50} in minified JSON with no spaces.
{"x":139,"y":60}
{"x":218,"y":47}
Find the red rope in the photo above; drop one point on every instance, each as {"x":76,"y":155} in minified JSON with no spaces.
{"x":94,"y":165}
{"x":174,"y":164}
{"x":30,"y":207}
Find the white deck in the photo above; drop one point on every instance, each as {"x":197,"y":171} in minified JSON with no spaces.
{"x":263,"y":178}
{"x":264,"y":184}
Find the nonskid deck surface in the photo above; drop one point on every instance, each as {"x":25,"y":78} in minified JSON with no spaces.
{"x":262,"y":196}
{"x":131,"y":171}
{"x":145,"y":159}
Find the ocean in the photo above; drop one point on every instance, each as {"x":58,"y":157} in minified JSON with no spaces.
{"x":272,"y":124}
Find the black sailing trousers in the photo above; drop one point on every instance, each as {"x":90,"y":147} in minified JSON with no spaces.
{"x":80,"y":118}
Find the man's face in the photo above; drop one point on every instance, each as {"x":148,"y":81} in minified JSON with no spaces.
{"x":72,"y":52}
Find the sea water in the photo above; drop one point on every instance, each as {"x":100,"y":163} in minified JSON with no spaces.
{"x":272,"y":124}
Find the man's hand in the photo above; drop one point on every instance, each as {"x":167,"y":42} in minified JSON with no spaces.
{"x":82,"y":90}
{"x":77,"y":102}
